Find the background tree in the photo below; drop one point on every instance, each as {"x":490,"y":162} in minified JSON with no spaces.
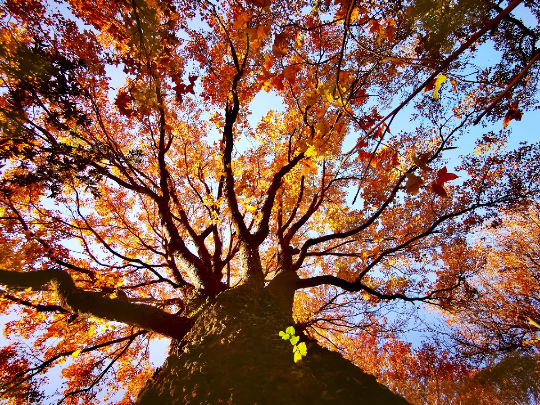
{"x":505,"y":312}
{"x":156,"y":207}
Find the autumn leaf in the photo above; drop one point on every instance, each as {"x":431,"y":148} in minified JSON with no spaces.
{"x":309,"y":167}
{"x":438,"y":81}
{"x":381,"y":130}
{"x":395,"y":160}
{"x":241,"y":21}
{"x":123,"y":103}
{"x":310,"y":151}
{"x":443,"y":176}
{"x":454,"y":83}
{"x":413,"y":184}
{"x":512,"y":114}
{"x":280,"y":46}
{"x":290,"y":72}
{"x":421,"y":161}
{"x":260,"y":3}
{"x":434,"y":85}
{"x":312,"y":97}
{"x":439,"y":190}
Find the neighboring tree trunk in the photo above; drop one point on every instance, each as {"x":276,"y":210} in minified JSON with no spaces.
{"x":234,"y":355}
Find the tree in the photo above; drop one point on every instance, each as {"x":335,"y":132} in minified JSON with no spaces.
{"x":155,"y":207}
{"x":505,"y":314}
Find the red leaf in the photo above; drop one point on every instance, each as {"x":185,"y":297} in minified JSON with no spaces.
{"x":443,"y":176}
{"x":123,"y":103}
{"x":260,"y":3}
{"x":439,"y":190}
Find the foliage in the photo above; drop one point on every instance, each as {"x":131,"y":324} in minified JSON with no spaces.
{"x":299,"y":348}
{"x":505,"y":313}
{"x":136,"y":184}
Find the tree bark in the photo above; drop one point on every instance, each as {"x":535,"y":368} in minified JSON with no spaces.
{"x":234,"y":355}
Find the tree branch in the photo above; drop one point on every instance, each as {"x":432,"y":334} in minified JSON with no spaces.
{"x":264,"y":228}
{"x":83,"y":302}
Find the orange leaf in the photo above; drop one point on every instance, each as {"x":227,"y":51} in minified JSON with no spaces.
{"x":280,"y":46}
{"x":421,"y":161}
{"x":413,"y":183}
{"x":512,"y":114}
{"x":309,"y":167}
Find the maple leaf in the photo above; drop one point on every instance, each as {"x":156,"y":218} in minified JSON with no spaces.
{"x":443,"y":176}
{"x":439,"y":190}
{"x":413,"y":184}
{"x":280,"y":46}
{"x":421,"y":161}
{"x":309,"y":167}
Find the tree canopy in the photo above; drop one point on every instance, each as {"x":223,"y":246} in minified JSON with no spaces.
{"x":135,"y":186}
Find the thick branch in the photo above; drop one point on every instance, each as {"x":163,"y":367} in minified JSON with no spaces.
{"x":353,"y":231}
{"x":264,"y":228}
{"x":356,"y":287}
{"x":37,"y":307}
{"x":77,"y":300}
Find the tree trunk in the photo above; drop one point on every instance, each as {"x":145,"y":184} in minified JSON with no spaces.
{"x":234,"y":355}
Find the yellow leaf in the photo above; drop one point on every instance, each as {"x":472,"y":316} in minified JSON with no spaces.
{"x":106,"y":326}
{"x":438,"y":81}
{"x":354,"y":14}
{"x":76,"y":353}
{"x":310,"y":151}
{"x":92,"y":331}
{"x":297,"y":357}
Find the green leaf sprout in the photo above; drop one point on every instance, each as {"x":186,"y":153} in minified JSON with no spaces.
{"x":299,"y":349}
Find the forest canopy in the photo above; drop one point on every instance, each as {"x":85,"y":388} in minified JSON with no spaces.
{"x":136,"y":187}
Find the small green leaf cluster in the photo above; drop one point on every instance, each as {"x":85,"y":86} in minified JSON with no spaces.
{"x":299,"y":349}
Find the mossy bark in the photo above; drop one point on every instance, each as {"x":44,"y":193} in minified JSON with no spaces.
{"x":233,"y":355}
